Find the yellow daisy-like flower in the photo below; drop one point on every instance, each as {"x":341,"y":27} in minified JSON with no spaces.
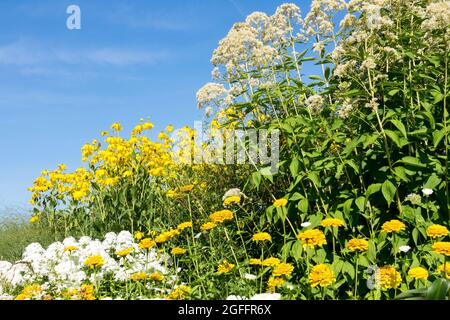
{"x":208,"y":226}
{"x":139,"y":276}
{"x":34,"y":219}
{"x":360,"y":245}
{"x":225,"y":267}
{"x":125,"y":252}
{"x":184,"y":225}
{"x":146,"y":243}
{"x":330,"y":222}
{"x":445,"y":268}
{"x":389,"y":278}
{"x":221,"y":216}
{"x":321,"y":275}
{"x":283,"y":269}
{"x":393,"y":226}
{"x":178,"y":251}
{"x":442,"y":248}
{"x":255,"y":262}
{"x":179,"y":293}
{"x":262,"y":236}
{"x":187,"y":188}
{"x":139,"y":235}
{"x":231,"y":200}
{"x":156,"y":276}
{"x":70,"y":249}
{"x":166,"y":236}
{"x":274,"y":282}
{"x":117,"y":127}
{"x":270,"y":262}
{"x":94,"y":262}
{"x":437,"y":231}
{"x":32,"y":290}
{"x":87,"y":292}
{"x":418,"y":273}
{"x":312,"y":238}
{"x":280,"y":203}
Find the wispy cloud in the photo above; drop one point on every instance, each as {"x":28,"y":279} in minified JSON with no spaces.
{"x":23,"y":53}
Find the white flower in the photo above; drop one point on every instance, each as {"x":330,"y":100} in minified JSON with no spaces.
{"x":233,"y":297}
{"x":306,"y":224}
{"x":249,"y":276}
{"x":427,"y":192}
{"x":404,"y":249}
{"x":266,"y":296}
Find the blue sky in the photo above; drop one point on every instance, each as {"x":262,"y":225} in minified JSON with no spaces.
{"x":131,"y":59}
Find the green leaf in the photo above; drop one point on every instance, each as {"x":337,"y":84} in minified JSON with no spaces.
{"x":394,"y":137}
{"x":389,"y":190}
{"x":372,"y":189}
{"x":361,"y":203}
{"x":348,"y":206}
{"x":439,"y":290}
{"x":400,"y":126}
{"x":438,"y":136}
{"x":294,"y":167}
{"x":432,"y":182}
{"x":303,"y":206}
{"x":411,"y":161}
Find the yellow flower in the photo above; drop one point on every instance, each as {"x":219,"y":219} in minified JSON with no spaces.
{"x":231,"y":200}
{"x":125,"y":252}
{"x":274,"y":282}
{"x":166,"y":236}
{"x":393,"y":226}
{"x":437,"y":231}
{"x":94,"y":261}
{"x":262,"y":236}
{"x":255,"y":262}
{"x":283,"y":269}
{"x":104,"y":133}
{"x":221,"y":216}
{"x":445,"y":268}
{"x":178,"y":251}
{"x":225,"y":267}
{"x":117,"y":127}
{"x":70,"y":248}
{"x":184,"y":225}
{"x":179,"y":293}
{"x":312,"y":238}
{"x":87,"y":292}
{"x":442,"y":248}
{"x":169,"y":128}
{"x":138,"y":235}
{"x":321,"y":275}
{"x":208,"y":226}
{"x":171,"y":193}
{"x":21,"y":297}
{"x":332,"y":223}
{"x":418,"y":273}
{"x":280,"y":203}
{"x":32,"y":290}
{"x":389,"y":278}
{"x":34,"y":219}
{"x":270,"y":262}
{"x":156,"y":276}
{"x":139,"y":276}
{"x":187,"y":188}
{"x":146,"y":243}
{"x":358,"y":245}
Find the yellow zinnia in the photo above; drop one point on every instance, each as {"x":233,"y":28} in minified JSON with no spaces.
{"x":225,"y":267}
{"x":442,"y":248}
{"x":389,"y":278}
{"x":418,"y":273}
{"x":321,"y":275}
{"x":358,"y":245}
{"x":437,"y":231}
{"x":393,"y":226}
{"x":280,"y":203}
{"x":312,"y":238}
{"x":330,"y":222}
{"x":262,"y":236}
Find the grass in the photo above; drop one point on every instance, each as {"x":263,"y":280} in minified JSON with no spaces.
{"x":16,"y":233}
